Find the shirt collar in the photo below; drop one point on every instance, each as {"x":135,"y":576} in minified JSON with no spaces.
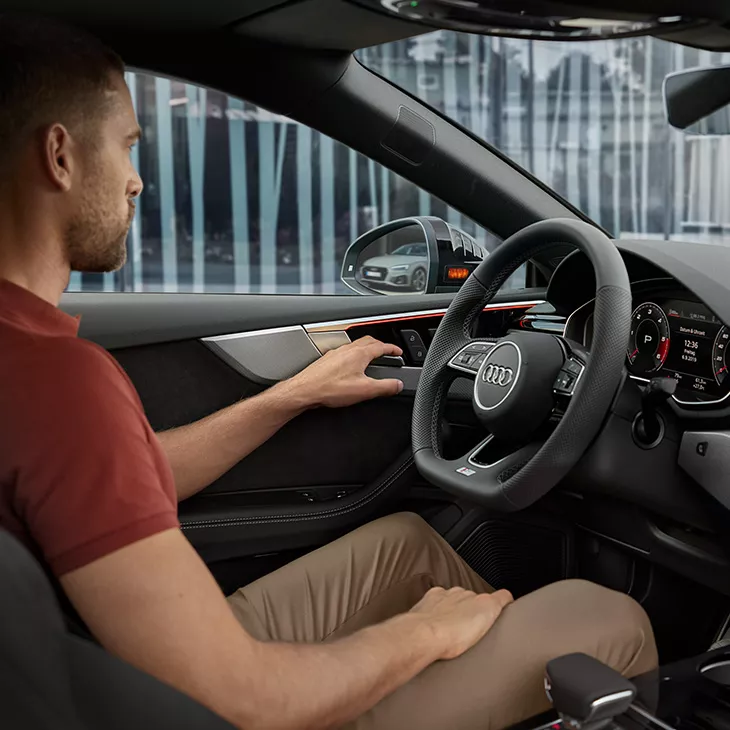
{"x":24,"y":308}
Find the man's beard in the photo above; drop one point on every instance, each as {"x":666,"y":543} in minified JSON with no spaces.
{"x":96,"y":242}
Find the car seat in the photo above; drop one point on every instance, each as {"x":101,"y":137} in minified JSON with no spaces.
{"x":51,"y":679}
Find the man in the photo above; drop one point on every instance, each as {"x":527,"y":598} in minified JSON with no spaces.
{"x":386,"y":628}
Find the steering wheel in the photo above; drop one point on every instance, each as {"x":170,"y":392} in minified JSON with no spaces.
{"x":541,"y":398}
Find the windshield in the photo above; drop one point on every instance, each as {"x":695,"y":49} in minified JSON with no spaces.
{"x":586,"y":118}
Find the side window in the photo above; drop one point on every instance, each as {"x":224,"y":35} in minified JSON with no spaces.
{"x":238,"y":199}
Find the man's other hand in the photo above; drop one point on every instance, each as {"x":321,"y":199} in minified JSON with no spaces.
{"x":459,"y":618}
{"x":338,"y":378}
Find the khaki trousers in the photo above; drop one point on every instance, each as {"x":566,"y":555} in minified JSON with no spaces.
{"x":385,"y":567}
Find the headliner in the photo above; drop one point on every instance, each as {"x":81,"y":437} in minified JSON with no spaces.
{"x":314,"y":24}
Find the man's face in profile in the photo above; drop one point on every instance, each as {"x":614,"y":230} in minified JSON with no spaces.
{"x":96,"y":233}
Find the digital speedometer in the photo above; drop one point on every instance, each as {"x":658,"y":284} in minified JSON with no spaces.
{"x":719,"y":355}
{"x":649,"y":340}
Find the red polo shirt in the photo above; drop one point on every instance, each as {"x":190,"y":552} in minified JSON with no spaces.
{"x":82,"y":474}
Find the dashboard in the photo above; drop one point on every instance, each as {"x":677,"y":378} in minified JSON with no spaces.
{"x":660,"y":498}
{"x":673,"y":335}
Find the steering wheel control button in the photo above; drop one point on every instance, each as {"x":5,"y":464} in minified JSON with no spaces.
{"x":573,"y":366}
{"x":568,"y":377}
{"x":414,"y":345}
{"x":470,"y":358}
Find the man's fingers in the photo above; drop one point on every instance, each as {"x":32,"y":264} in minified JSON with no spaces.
{"x":386,"y":387}
{"x":392,"y":349}
{"x":502,"y":598}
{"x":376,"y":348}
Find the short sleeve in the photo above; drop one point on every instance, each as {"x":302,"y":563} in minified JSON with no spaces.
{"x":91,"y":476}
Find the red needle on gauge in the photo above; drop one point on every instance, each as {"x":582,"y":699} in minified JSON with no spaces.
{"x":721,"y":370}
{"x":631,"y":356}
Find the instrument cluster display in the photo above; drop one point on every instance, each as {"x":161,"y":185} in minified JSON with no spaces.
{"x":681,"y":340}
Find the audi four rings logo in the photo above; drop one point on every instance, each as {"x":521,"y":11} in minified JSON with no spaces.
{"x":497,"y":375}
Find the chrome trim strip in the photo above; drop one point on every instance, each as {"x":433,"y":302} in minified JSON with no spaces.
{"x":470,"y":458}
{"x":373,"y":318}
{"x":714,"y":665}
{"x":611,"y":698}
{"x":411,"y":315}
{"x":251,"y":333}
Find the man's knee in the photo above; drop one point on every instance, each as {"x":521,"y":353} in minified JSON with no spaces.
{"x":622,"y":630}
{"x":407,"y":526}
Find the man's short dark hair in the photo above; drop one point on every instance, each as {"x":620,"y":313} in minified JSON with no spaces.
{"x":49,"y":72}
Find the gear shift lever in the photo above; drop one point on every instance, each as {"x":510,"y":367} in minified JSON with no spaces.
{"x":648,"y":425}
{"x":586,"y":693}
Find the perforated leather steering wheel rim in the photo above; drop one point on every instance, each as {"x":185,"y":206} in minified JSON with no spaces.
{"x":535,"y":471}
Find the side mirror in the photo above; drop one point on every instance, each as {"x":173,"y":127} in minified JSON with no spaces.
{"x":418,"y":255}
{"x":696,"y":100}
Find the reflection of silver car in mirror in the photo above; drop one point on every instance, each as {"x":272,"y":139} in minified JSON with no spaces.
{"x":404,"y":268}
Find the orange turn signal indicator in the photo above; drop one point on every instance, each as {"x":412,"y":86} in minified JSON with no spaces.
{"x":457,"y":273}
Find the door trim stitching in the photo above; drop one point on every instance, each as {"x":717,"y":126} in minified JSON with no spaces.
{"x":336,"y":512}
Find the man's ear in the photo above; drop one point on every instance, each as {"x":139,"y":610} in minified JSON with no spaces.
{"x":58,"y":158}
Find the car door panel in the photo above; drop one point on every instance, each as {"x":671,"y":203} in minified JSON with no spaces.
{"x":116,"y":319}
{"x":219,"y":527}
{"x":322,"y":474}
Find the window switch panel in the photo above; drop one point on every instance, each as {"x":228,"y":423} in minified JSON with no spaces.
{"x":414,"y":345}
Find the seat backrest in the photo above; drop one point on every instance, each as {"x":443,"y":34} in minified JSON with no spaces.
{"x":50,"y":679}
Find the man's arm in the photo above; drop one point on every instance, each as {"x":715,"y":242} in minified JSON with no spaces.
{"x":172,"y":621}
{"x":200,"y":452}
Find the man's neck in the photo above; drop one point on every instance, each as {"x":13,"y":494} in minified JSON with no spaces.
{"x":33,"y":260}
{"x":48,"y":287}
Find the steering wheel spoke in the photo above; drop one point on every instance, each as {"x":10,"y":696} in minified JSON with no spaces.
{"x":470,"y":357}
{"x":495,"y":458}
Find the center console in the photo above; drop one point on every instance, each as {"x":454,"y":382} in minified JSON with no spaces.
{"x":693,"y":694}
{"x":690,"y":694}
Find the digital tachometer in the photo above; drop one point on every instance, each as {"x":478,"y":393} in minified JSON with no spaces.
{"x":649,"y":340}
